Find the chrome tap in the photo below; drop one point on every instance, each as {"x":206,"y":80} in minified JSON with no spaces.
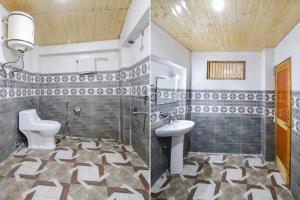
{"x":172,"y":118}
{"x":168,"y":115}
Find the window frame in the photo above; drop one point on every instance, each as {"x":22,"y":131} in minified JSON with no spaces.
{"x":208,"y":77}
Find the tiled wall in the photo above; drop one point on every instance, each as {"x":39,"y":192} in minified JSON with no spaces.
{"x":15,"y":95}
{"x":136,"y":80}
{"x":227,"y":121}
{"x":97,"y":96}
{"x":106,"y":101}
{"x":233,"y":121}
{"x":295,"y":149}
{"x":267,"y":127}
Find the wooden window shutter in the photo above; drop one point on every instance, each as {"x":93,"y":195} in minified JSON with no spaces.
{"x":226,"y":70}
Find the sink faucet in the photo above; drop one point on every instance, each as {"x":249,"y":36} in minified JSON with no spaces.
{"x":168,"y":115}
{"x":172,"y":118}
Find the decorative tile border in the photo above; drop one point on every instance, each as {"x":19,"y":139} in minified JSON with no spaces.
{"x":133,"y":74}
{"x":296,"y":113}
{"x":6,"y":93}
{"x":296,"y":100}
{"x":232,"y":101}
{"x":75,"y":77}
{"x":21,"y":86}
{"x":296,"y":126}
{"x":227,"y":109}
{"x":140,"y":69}
{"x":26,"y":77}
{"x":26,"y":84}
{"x":252,"y":102}
{"x":232,"y":95}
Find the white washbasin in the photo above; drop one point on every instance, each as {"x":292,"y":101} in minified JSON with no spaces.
{"x":177,"y":128}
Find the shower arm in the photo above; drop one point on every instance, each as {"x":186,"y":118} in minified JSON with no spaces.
{"x":136,"y":112}
{"x":143,"y":113}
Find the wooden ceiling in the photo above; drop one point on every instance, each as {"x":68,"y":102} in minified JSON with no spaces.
{"x":72,"y":21}
{"x":243,"y":25}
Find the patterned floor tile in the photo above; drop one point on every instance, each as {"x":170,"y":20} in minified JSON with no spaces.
{"x":11,"y":189}
{"x":88,"y":156}
{"x":77,"y":192}
{"x":78,"y":168}
{"x":120,"y":176}
{"x":222,"y":177}
{"x":57,"y":171}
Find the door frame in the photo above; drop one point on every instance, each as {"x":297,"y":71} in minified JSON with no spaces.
{"x":278,"y":163}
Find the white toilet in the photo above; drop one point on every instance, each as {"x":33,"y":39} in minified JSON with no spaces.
{"x":39,"y":133}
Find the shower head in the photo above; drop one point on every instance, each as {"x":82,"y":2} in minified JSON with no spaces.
{"x":131,"y":42}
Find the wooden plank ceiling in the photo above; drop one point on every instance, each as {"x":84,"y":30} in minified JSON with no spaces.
{"x":72,"y":21}
{"x":243,"y":25}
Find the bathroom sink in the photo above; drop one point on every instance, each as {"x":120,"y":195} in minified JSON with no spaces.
{"x":177,"y":128}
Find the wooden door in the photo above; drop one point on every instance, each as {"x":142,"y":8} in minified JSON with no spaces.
{"x":283,"y":118}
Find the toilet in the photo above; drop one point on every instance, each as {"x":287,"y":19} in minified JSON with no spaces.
{"x":39,"y":133}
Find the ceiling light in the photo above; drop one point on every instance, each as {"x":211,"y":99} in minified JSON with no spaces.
{"x":183,"y":3}
{"x":61,"y":1}
{"x":178,"y":8}
{"x":218,"y":5}
{"x":174,"y":11}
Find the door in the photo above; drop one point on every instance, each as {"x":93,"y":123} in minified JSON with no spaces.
{"x":283,"y":118}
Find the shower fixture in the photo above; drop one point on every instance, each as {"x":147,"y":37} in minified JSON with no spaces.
{"x":142,"y":42}
{"x":130,"y":41}
{"x":137,"y":112}
{"x":66,"y":131}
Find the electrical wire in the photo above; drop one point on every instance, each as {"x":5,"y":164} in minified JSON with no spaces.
{"x":14,"y":66}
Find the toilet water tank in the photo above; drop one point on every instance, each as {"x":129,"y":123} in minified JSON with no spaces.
{"x":20,"y":35}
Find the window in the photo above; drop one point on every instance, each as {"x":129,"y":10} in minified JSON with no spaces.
{"x":226,"y":70}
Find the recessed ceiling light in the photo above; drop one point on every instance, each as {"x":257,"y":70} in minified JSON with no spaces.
{"x":61,"y":1}
{"x":178,"y":8}
{"x":183,"y":3}
{"x":218,"y":5}
{"x":174,"y":11}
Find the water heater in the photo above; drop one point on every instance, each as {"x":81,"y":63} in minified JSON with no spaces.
{"x":20,"y":34}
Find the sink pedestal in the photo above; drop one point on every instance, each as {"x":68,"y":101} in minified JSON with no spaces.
{"x":176,"y":165}
{"x":176,"y":130}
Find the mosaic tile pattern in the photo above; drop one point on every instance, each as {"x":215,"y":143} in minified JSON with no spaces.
{"x":34,"y":84}
{"x":222,"y":177}
{"x":259,"y":103}
{"x":79,"y":168}
{"x":99,"y":84}
{"x":22,"y":85}
{"x":296,"y":113}
{"x":232,"y":102}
